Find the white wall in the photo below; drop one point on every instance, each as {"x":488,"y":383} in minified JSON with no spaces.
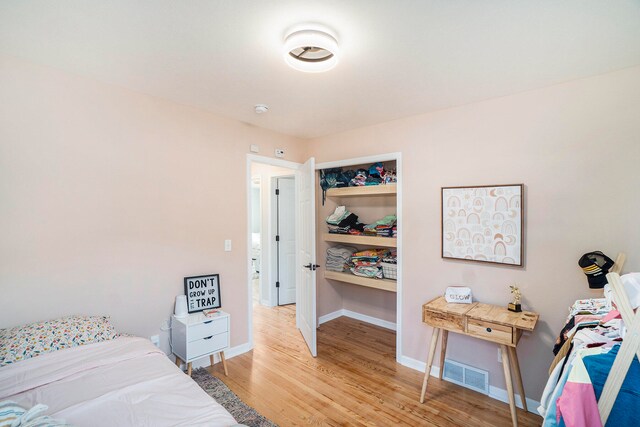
{"x":109,"y":198}
{"x":575,"y":146}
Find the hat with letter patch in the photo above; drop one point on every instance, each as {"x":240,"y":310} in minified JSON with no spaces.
{"x":596,"y":266}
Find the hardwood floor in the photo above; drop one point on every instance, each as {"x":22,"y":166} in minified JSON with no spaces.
{"x":353,"y":381}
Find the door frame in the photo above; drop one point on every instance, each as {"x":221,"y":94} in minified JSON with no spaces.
{"x":397,"y":156}
{"x":254,"y":158}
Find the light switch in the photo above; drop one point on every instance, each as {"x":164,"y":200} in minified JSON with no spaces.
{"x":254,"y":148}
{"x":227,"y":245}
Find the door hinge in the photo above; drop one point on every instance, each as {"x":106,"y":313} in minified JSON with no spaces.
{"x":277,"y":191}
{"x":277,"y":238}
{"x":277,"y":284}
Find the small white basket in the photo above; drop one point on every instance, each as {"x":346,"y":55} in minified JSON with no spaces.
{"x":389,"y":271}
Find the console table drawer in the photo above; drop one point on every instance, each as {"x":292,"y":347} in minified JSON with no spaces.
{"x":439,"y":319}
{"x":490,"y":331}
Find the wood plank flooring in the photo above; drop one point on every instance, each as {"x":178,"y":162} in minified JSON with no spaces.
{"x":354,"y":381}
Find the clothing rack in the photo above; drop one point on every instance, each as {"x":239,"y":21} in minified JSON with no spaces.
{"x":629,"y":348}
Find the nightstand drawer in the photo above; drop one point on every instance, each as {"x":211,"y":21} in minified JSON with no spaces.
{"x":206,"y":329}
{"x":207,"y":345}
{"x":490,"y":331}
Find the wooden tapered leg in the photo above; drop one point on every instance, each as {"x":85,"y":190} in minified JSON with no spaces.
{"x":432,"y":351}
{"x":518,"y":376}
{"x":509,"y":383}
{"x":224,"y":363}
{"x":189,"y":368}
{"x":211,"y":360}
{"x":177,"y":361}
{"x":443,"y":350}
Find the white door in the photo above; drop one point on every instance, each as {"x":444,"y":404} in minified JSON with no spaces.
{"x":306,"y":254}
{"x":286,"y":240}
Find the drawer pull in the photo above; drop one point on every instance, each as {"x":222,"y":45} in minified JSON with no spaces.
{"x":208,"y":338}
{"x":488,"y":329}
{"x":208,"y":321}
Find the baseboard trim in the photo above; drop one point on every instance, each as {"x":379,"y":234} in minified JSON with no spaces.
{"x":494,"y":392}
{"x":358,"y":316}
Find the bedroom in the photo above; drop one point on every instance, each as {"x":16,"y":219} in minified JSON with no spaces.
{"x":125,"y":132}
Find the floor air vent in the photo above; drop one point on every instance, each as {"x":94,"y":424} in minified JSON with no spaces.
{"x":466,"y":376}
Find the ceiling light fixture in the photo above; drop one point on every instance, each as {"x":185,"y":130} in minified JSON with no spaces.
{"x":311,"y":50}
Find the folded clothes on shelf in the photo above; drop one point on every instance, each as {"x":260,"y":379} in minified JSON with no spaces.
{"x":338,"y":258}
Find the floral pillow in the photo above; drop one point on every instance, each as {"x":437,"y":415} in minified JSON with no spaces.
{"x":24,"y":342}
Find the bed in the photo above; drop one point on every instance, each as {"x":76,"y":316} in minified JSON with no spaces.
{"x":125,"y":381}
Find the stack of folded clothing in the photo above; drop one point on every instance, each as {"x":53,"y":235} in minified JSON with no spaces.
{"x":384,"y":227}
{"x":341,"y":221}
{"x":367,"y":263}
{"x":338,"y":258}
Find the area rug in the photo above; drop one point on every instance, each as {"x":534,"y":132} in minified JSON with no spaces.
{"x":242,"y":412}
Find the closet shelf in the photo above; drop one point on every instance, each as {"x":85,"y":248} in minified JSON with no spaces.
{"x":366,"y":190}
{"x":384,"y":284}
{"x":386,"y":242}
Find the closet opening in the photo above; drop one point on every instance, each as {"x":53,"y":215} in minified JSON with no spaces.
{"x":359,"y":243}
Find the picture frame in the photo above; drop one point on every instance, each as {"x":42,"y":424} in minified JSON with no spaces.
{"x":483,"y":223}
{"x":203,"y":292}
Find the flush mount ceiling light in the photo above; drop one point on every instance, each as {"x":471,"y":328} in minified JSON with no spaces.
{"x":311,"y":50}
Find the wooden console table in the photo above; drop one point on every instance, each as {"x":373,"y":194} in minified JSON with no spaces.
{"x":487,"y":322}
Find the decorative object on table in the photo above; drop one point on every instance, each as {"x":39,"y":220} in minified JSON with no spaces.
{"x":202,"y":292}
{"x":596,"y":266}
{"x":517,"y":297}
{"x":483,"y":223}
{"x":219,"y":391}
{"x":180,"y":309}
{"x":458,"y":294}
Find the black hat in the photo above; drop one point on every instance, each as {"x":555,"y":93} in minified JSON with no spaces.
{"x":596,"y":266}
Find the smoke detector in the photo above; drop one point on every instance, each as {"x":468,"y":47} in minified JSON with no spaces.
{"x":311,"y":49}
{"x":261,"y":108}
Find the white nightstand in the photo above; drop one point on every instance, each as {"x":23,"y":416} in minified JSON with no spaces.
{"x":197,"y":336}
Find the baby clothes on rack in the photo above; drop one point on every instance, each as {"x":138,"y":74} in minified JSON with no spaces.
{"x":591,"y":341}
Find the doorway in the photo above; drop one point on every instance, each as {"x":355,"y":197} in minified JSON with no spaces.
{"x":263,"y":169}
{"x":270,"y":235}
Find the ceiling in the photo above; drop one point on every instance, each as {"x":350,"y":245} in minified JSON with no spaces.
{"x":398,"y":57}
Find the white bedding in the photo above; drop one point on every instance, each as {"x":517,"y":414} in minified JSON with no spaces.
{"x":122,"y":382}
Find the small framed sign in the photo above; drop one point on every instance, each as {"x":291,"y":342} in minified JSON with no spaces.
{"x":203,"y":292}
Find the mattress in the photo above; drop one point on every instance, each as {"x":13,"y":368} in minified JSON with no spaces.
{"x":122,"y":382}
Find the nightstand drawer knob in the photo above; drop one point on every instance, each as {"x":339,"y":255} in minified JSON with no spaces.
{"x":488,"y":329}
{"x":208,"y":321}
{"x":208,"y":338}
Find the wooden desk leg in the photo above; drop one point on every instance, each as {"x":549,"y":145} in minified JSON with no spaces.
{"x":443,"y":350}
{"x":224,"y":363}
{"x":509,"y":383}
{"x":518,"y":377}
{"x":432,"y":351}
{"x":178,"y":361}
{"x":189,"y":368}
